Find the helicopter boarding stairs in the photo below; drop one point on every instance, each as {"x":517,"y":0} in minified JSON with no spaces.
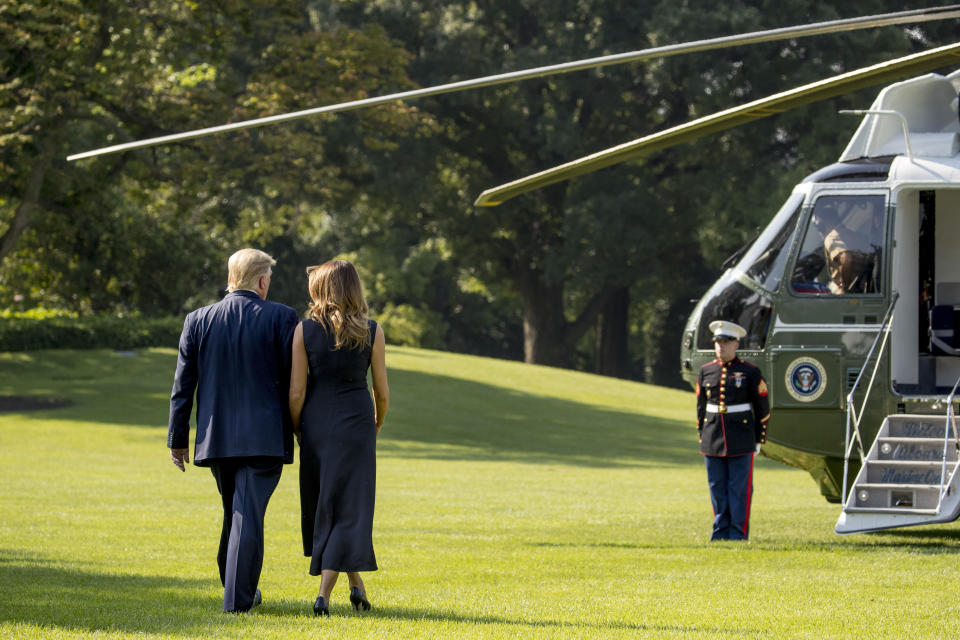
{"x":910,"y":475}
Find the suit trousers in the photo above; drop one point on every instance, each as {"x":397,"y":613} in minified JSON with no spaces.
{"x":731,"y":487}
{"x":245,"y":486}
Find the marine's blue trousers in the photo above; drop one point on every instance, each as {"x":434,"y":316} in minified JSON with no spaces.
{"x":731,"y":486}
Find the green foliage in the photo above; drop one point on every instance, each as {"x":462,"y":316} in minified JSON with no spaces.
{"x":411,"y":326}
{"x":426,"y":297}
{"x":44,"y":329}
{"x":149,"y":231}
{"x":661,"y":226}
{"x":37,"y":313}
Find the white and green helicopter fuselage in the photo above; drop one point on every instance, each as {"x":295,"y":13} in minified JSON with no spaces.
{"x":882,"y":339}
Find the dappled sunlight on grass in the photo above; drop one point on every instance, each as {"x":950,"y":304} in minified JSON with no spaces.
{"x":53,"y":592}
{"x":510,"y":411}
{"x":486,"y":422}
{"x":507,"y":410}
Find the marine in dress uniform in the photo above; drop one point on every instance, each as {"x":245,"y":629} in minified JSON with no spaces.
{"x":733,"y":412}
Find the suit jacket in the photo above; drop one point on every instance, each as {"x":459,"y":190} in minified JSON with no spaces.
{"x":235,"y":355}
{"x":737,"y":393}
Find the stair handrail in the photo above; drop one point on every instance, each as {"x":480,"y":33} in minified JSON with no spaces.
{"x":951,"y":417}
{"x":852,"y":415}
{"x":950,"y":422}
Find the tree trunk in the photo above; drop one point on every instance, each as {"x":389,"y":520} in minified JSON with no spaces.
{"x":612,"y":352}
{"x":548,"y":338}
{"x":28,"y":204}
{"x":544,"y":326}
{"x":666,"y":369}
{"x":655,"y":355}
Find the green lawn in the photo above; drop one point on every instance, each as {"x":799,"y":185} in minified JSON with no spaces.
{"x":513,"y":501}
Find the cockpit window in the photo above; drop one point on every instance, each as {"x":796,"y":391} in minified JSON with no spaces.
{"x":728,"y":299}
{"x":842,"y":251}
{"x":765,"y":263}
{"x":766,"y":259}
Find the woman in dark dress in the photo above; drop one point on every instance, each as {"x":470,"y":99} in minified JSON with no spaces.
{"x":337,"y":424}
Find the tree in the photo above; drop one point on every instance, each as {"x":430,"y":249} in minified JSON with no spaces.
{"x":594,"y":265}
{"x":573,"y":251}
{"x":106,"y":233}
{"x":69,"y":68}
{"x":501,"y":134}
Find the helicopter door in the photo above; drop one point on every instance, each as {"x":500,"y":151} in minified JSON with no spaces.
{"x":925,"y":339}
{"x":836,"y":299}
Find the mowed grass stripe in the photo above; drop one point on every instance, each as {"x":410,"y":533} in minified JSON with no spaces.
{"x":513,"y":501}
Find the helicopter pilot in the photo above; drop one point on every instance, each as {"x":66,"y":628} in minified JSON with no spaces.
{"x":733,"y":412}
{"x":850,"y":242}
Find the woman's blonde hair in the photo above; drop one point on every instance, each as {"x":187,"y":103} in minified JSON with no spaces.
{"x":337,"y":302}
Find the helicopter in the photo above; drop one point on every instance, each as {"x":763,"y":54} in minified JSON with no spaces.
{"x":850,"y":296}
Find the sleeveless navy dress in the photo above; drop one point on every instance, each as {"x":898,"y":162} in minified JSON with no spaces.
{"x":338,"y":458}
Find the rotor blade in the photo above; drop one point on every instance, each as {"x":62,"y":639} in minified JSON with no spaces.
{"x":727,"y":119}
{"x":833,"y":26}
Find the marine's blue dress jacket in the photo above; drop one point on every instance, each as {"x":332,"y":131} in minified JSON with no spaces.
{"x":235,"y":355}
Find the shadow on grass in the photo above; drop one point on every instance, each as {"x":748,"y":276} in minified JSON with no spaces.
{"x":431,"y":416}
{"x":38,"y":591}
{"x":437,"y":416}
{"x":607,"y":545}
{"x":922,"y":540}
{"x":450,"y":616}
{"x":130,"y":388}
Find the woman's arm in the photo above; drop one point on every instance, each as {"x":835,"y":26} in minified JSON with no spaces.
{"x":378,"y":368}
{"x":298,"y":379}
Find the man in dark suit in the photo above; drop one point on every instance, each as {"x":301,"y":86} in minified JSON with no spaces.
{"x":235,"y":355}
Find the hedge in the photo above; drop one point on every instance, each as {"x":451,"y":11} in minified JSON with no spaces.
{"x":21,"y":333}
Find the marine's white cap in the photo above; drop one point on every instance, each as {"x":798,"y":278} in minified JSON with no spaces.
{"x":724,"y":330}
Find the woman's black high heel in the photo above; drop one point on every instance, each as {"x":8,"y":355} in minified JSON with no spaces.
{"x":320,"y":607}
{"x":359,"y":599}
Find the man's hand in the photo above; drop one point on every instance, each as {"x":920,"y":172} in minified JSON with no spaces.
{"x":756,"y":450}
{"x":179,"y":457}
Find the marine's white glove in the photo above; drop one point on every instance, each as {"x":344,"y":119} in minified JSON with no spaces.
{"x":756,"y":450}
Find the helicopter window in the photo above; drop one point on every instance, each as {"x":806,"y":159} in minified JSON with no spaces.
{"x":765,"y":260}
{"x":730,"y":300}
{"x":842,"y":251}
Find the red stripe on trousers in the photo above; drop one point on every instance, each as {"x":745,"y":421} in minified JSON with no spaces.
{"x":746,"y":521}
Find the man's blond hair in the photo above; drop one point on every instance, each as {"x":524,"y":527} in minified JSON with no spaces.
{"x":245,"y":267}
